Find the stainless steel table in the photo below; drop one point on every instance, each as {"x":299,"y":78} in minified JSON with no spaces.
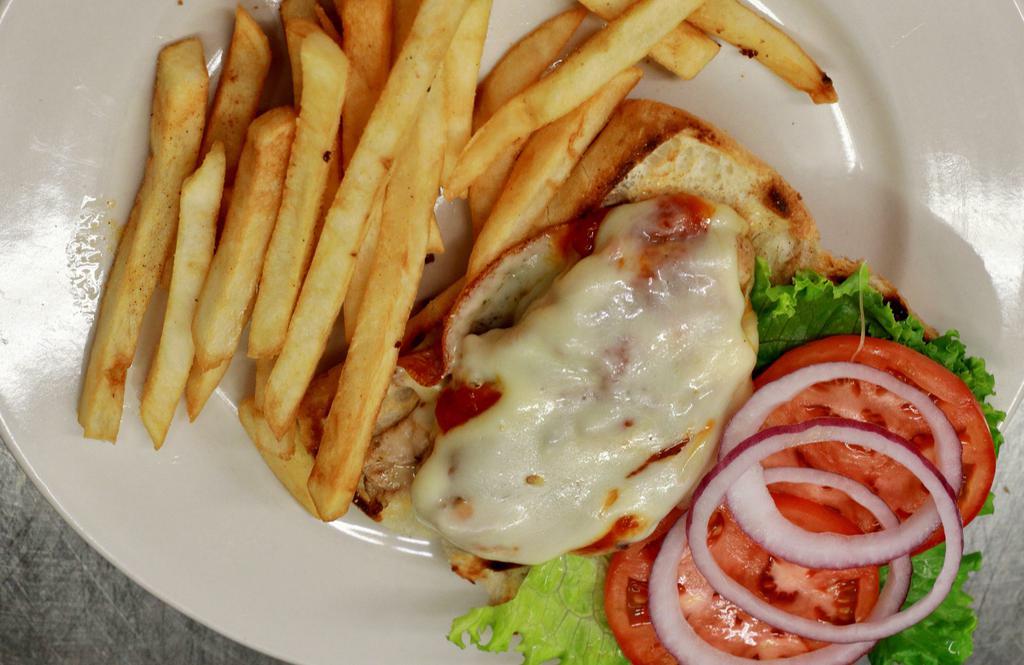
{"x":61,"y":602}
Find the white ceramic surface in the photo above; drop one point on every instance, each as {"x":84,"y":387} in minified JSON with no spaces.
{"x":919,"y":169}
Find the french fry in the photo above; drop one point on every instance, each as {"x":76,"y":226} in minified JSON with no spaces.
{"x":684,"y":51}
{"x":367,"y":27}
{"x":227,"y":296}
{"x":519,"y":68}
{"x":239,"y":90}
{"x":302,"y":440}
{"x":432,"y":314}
{"x":333,"y":180}
{"x":622,"y":43}
{"x":544,"y":164}
{"x":345,"y":226}
{"x":324,"y":74}
{"x":636,"y":128}
{"x":373,"y":354}
{"x":176,"y":130}
{"x":461,"y":71}
{"x":200,"y":385}
{"x":295,"y":31}
{"x":197,"y":232}
{"x":263,"y":367}
{"x":753,"y":34}
{"x":435,"y":243}
{"x":292,"y":472}
{"x":292,"y":9}
{"x":403,"y":13}
{"x":361,"y":272}
{"x":325,"y":23}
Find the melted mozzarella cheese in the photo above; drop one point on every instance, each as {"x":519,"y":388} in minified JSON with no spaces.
{"x":614,"y":388}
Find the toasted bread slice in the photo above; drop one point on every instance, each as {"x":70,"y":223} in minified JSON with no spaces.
{"x":649,"y":148}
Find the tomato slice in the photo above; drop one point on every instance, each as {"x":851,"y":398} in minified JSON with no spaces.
{"x":865,"y":402}
{"x":837,"y":596}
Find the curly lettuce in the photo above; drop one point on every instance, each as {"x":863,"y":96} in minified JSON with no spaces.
{"x":557,"y":613}
{"x":812,"y":307}
{"x":944,"y":638}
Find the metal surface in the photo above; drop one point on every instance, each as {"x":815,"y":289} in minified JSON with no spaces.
{"x":61,"y":602}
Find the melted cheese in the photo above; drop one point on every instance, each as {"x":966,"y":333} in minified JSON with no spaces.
{"x":615,"y":384}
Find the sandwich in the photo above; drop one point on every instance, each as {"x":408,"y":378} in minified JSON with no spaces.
{"x":588,"y":388}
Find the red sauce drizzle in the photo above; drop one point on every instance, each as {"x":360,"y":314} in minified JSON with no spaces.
{"x":624,"y":527}
{"x":680,"y":216}
{"x":583,"y":231}
{"x":457,"y":405}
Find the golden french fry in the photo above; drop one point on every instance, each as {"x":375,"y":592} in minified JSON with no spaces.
{"x":292,"y":472}
{"x":226,"y":302}
{"x":636,"y":128}
{"x":238,"y":93}
{"x":361,"y":272}
{"x":333,"y":180}
{"x":295,"y":32}
{"x":485,"y":190}
{"x":461,"y":71}
{"x":227,"y":296}
{"x":200,"y":385}
{"x":197,"y":232}
{"x":324,"y":74}
{"x":432,"y":314}
{"x":684,"y":51}
{"x":435,"y":243}
{"x":176,"y":130}
{"x":325,"y":23}
{"x":373,"y":354}
{"x":367,"y":28}
{"x":294,"y":442}
{"x":291,"y":9}
{"x":544,"y":164}
{"x":403,"y":13}
{"x":345,"y":226}
{"x":263,"y":367}
{"x":757,"y":37}
{"x":520,"y":67}
{"x":622,"y":43}
{"x":301,"y":441}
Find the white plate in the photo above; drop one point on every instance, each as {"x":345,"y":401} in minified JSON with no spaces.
{"x":920,"y":169}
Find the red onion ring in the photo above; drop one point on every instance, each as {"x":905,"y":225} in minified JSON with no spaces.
{"x":683,"y":642}
{"x":755,"y":512}
{"x":833,"y":555}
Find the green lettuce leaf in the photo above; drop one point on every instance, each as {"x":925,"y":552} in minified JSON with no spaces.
{"x":944,"y":638}
{"x":812,"y":307}
{"x":558,"y":613}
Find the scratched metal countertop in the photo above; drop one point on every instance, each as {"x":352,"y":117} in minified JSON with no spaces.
{"x":61,"y":602}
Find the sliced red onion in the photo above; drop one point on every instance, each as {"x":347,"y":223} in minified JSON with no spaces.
{"x":824,"y":550}
{"x":756,"y":513}
{"x":683,"y":642}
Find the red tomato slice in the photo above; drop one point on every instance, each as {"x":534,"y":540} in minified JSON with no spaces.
{"x":868,"y":403}
{"x":838,"y":596}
